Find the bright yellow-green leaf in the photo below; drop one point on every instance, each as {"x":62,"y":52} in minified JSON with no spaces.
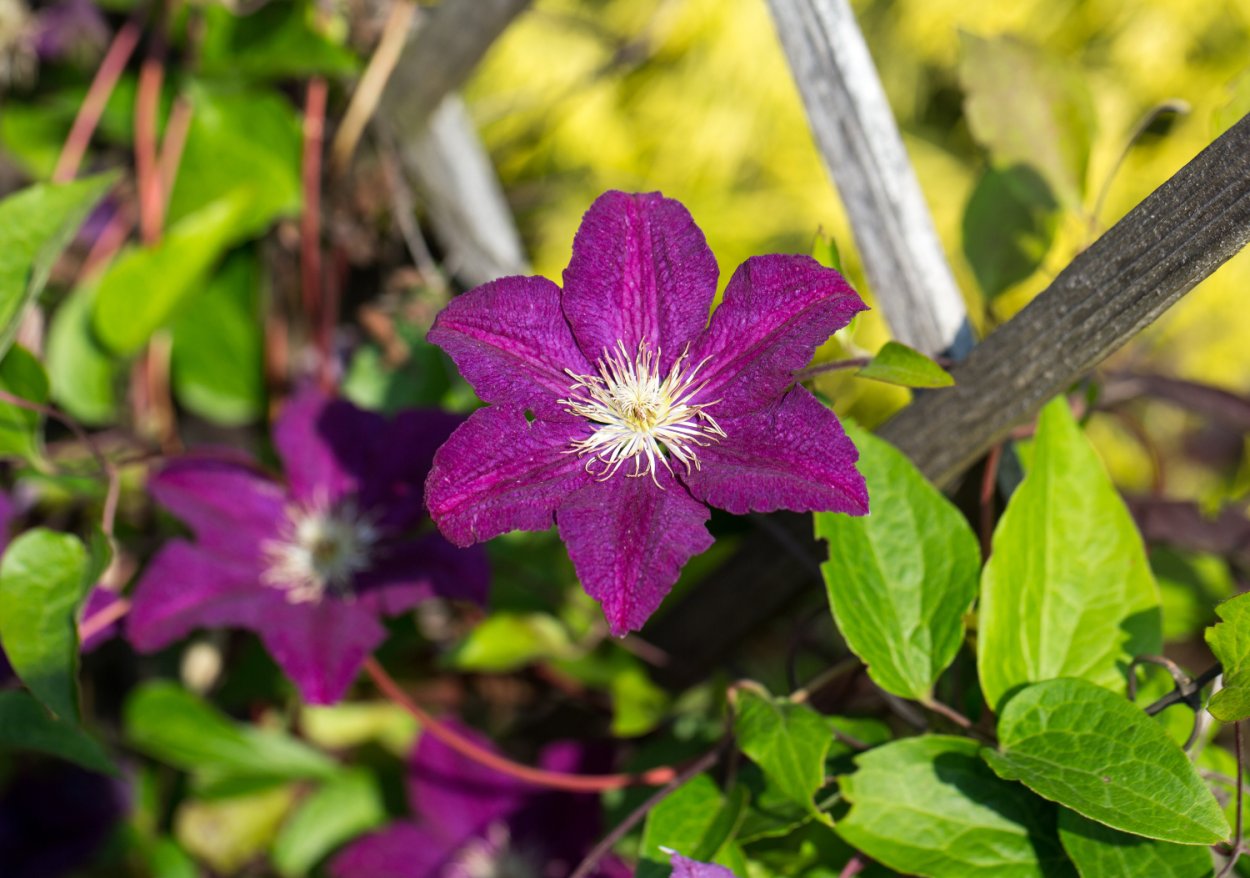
{"x":1230,"y":642}
{"x":896,"y":363}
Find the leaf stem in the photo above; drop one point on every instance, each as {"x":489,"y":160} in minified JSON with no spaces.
{"x":1235,"y":854}
{"x":310,"y":221}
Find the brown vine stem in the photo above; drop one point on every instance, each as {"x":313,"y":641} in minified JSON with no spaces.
{"x":310,"y":222}
{"x":574,"y":783}
{"x":1237,"y":828}
{"x":109,"y":513}
{"x":988,"y":481}
{"x":92,"y":107}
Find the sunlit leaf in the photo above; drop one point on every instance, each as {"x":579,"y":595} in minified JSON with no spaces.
{"x":900,"y":580}
{"x":788,"y":741}
{"x":1067,"y":591}
{"x":83,"y":374}
{"x":1230,"y":642}
{"x":896,"y":363}
{"x":21,"y":375}
{"x":1095,"y":752}
{"x":337,"y":812}
{"x":227,"y":833}
{"x":1102,"y":852}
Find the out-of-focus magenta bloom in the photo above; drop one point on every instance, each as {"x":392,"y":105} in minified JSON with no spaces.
{"x":470,"y":821}
{"x":55,"y":817}
{"x":72,"y":30}
{"x":620,"y":412}
{"x":309,"y":564}
{"x":686,"y":868}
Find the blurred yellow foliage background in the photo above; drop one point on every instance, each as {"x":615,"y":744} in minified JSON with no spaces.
{"x":694,"y":98}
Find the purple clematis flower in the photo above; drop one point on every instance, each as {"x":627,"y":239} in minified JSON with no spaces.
{"x":687,"y":868}
{"x":620,"y":412}
{"x":471,"y":822}
{"x":308,"y":565}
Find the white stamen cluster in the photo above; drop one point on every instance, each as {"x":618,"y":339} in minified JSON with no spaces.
{"x":639,"y":415}
{"x":492,"y":855}
{"x":320,"y":547}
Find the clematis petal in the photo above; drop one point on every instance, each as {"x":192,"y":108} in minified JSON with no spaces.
{"x":229,"y":506}
{"x":777,"y":310}
{"x":629,"y":540}
{"x":687,"y":868}
{"x":393,"y":488}
{"x":401,"y":850}
{"x":409,"y":572}
{"x":511,"y":342}
{"x":456,"y":795}
{"x":320,"y":646}
{"x":324,"y":444}
{"x":185,"y":587}
{"x":498,"y":472}
{"x":792,"y":455}
{"x":641,"y":271}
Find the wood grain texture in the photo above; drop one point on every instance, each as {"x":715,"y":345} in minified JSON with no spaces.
{"x":1178,"y":236}
{"x":863,"y":150}
{"x":438,"y":145}
{"x":1181,"y":233}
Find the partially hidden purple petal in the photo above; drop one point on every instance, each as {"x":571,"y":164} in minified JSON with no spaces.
{"x":499,"y":472}
{"x":321,"y":646}
{"x":629,"y":540}
{"x":324,"y":444}
{"x":777,"y":310}
{"x":641,"y":271}
{"x":184,"y":588}
{"x":793,"y":455}
{"x":393,"y":489}
{"x":229,"y":506}
{"x":410,"y":571}
{"x":511,"y":342}
{"x":455,"y":795}
{"x":401,"y":850}
{"x":686,"y":868}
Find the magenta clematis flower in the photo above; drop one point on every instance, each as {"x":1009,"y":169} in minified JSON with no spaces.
{"x":308,"y":565}
{"x":472,"y":821}
{"x":620,"y":412}
{"x":687,"y":868}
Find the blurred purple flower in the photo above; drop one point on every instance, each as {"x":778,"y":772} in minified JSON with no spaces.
{"x":72,"y":30}
{"x":55,"y":817}
{"x":309,"y":565}
{"x":619,"y":411}
{"x":472,"y":821}
{"x":685,"y":868}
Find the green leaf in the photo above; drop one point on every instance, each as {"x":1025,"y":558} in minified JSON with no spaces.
{"x":507,"y":641}
{"x":1190,"y":585}
{"x":901,"y":579}
{"x":788,"y":741}
{"x":26,"y":725}
{"x":21,"y":374}
{"x":1067,"y":591}
{"x":638,"y":704}
{"x":218,"y":159}
{"x":36,"y":224}
{"x":896,"y":363}
{"x":143,"y":288}
{"x":83,"y":374}
{"x":43,"y":583}
{"x":420,"y":380}
{"x":226,"y":833}
{"x":278,"y":41}
{"x":1029,"y":108}
{"x":1102,"y":852}
{"x":351,"y":724}
{"x":336,"y":813}
{"x":218,"y":347}
{"x":173,"y":725}
{"x":1230,"y":643}
{"x":928,"y":806}
{"x":825,"y":251}
{"x":1008,"y":227}
{"x":695,"y":819}
{"x":1091,"y":750}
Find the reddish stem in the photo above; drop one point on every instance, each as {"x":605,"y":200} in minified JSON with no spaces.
{"x":576,"y":783}
{"x":854,"y":866}
{"x":988,"y":481}
{"x":147,"y":171}
{"x":92,"y":107}
{"x":100,"y":620}
{"x":310,"y":222}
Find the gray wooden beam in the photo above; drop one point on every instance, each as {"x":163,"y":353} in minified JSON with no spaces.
{"x":863,"y":150}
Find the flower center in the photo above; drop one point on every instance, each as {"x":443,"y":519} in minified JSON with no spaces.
{"x":640,"y":415}
{"x":492,"y":855}
{"x":319,"y":547}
